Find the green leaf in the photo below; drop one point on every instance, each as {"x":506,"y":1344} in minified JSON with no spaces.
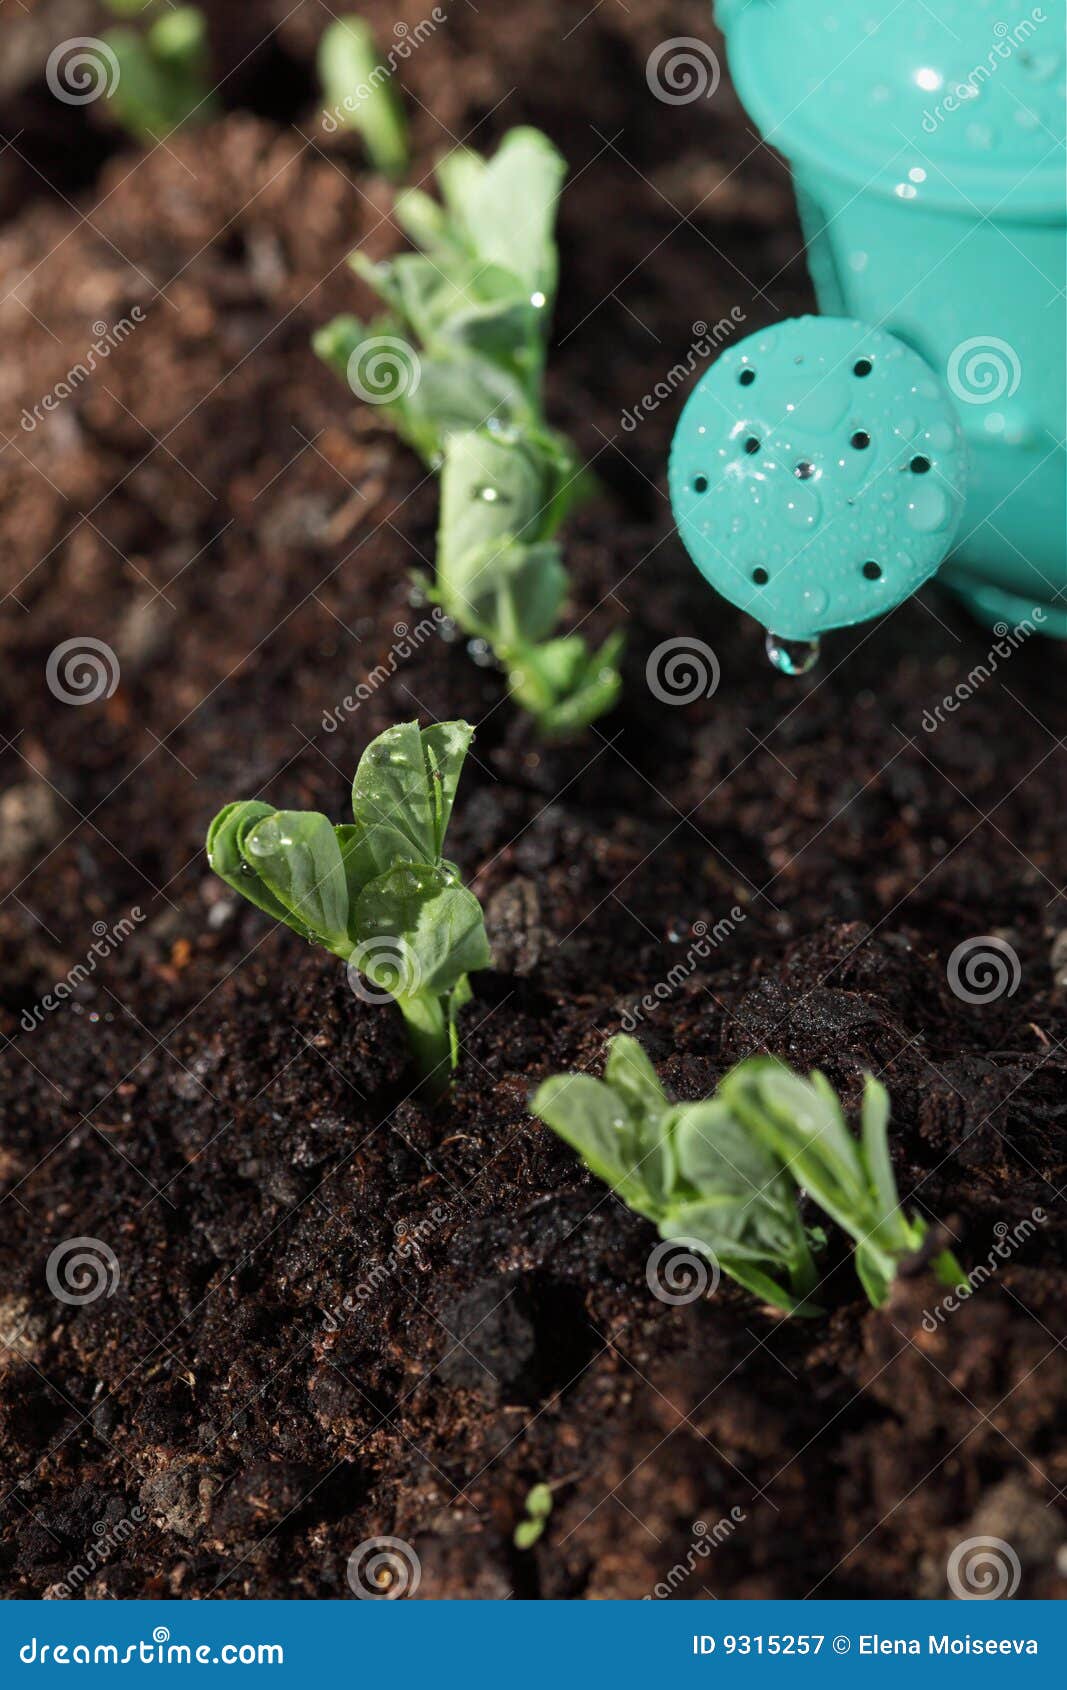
{"x":565,"y":685}
{"x":593,"y":1120}
{"x":361,"y":91}
{"x":224,"y":841}
{"x":417,"y":932}
{"x":539,"y":1501}
{"x":404,"y":789}
{"x":164,"y":75}
{"x":632,"y":1077}
{"x":527,"y":1532}
{"x":296,"y":855}
{"x":507,"y":208}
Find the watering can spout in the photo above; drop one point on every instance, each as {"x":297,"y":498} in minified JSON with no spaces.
{"x":931,"y":203}
{"x":817,"y":475}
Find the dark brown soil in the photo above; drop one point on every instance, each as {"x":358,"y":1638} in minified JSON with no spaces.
{"x":339,"y":1315}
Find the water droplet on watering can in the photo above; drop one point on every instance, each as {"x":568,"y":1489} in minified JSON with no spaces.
{"x":928,"y":509}
{"x":815,"y":600}
{"x":802,"y":508}
{"x":791,"y":657}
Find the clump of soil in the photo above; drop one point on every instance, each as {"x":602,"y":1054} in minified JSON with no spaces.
{"x":333,"y":1314}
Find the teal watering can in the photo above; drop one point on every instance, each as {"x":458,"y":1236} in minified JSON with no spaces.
{"x":824,"y":468}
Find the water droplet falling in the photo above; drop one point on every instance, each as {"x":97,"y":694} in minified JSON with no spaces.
{"x":791,"y":657}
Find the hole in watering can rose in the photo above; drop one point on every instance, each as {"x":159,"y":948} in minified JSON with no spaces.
{"x":751,"y":445}
{"x":804,"y":470}
{"x":760,"y":577}
{"x":700,"y":484}
{"x":747,"y":377}
{"x":860,"y":440}
{"x":872,"y":571}
{"x":862,"y":367}
{"x":919,"y":466}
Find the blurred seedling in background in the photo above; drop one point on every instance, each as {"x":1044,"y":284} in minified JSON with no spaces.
{"x":457,"y":362}
{"x":164,"y":72}
{"x":378,"y":892}
{"x":359,"y":93}
{"x":538,"y":1508}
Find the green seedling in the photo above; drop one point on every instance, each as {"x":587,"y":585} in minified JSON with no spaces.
{"x":538,"y":1509}
{"x":691,"y":1168}
{"x":376,"y":892}
{"x":360,"y":93}
{"x":163,"y":72}
{"x":801,"y":1122}
{"x":457,"y":362}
